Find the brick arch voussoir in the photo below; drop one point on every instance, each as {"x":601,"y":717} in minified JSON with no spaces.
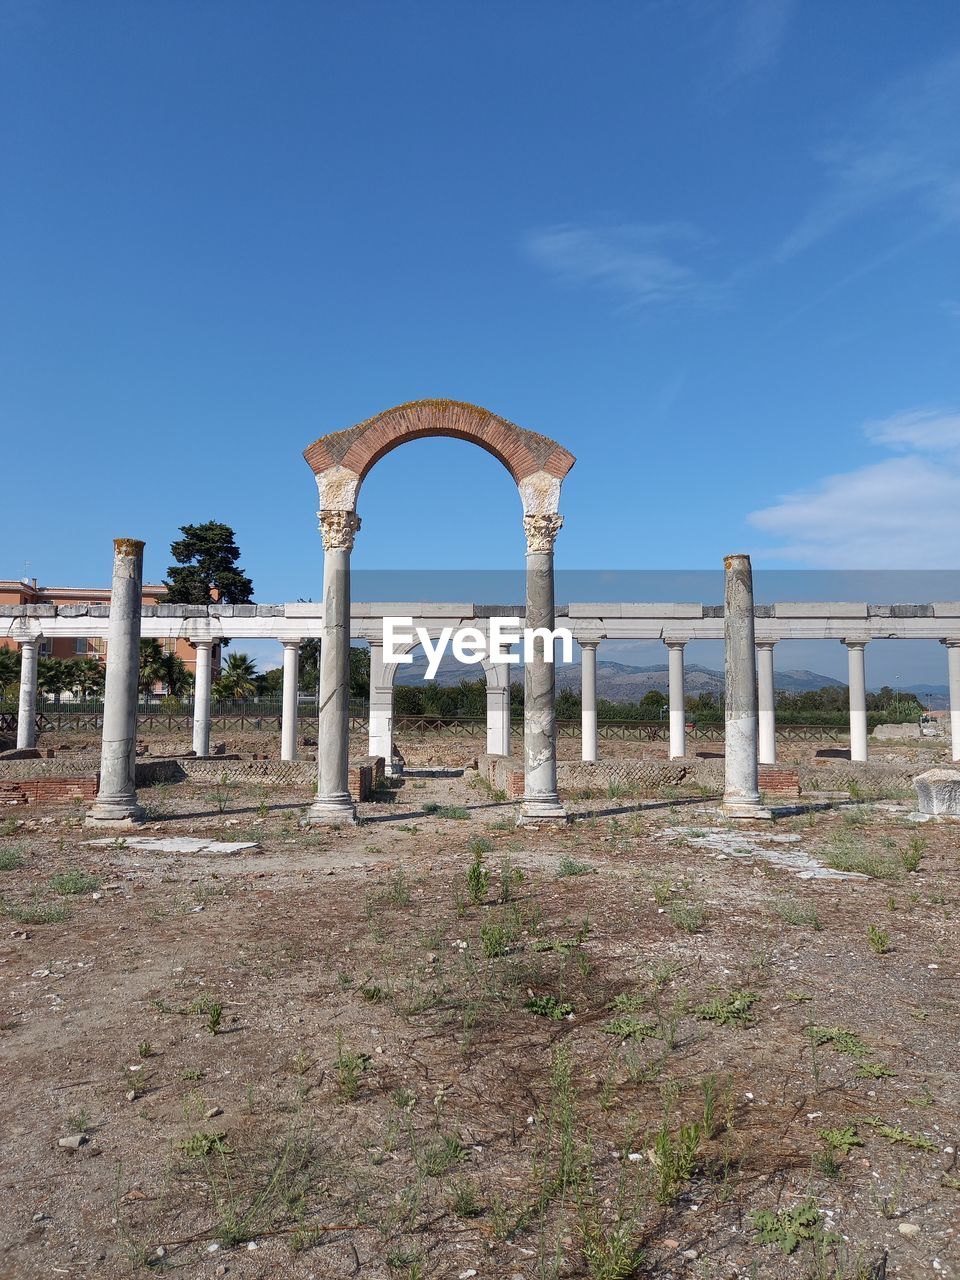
{"x":358,"y":449}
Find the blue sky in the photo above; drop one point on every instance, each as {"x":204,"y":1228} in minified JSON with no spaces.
{"x":710,"y":247}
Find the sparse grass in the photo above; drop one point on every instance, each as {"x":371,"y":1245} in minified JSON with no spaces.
{"x":349,"y":1067}
{"x":478,"y":879}
{"x":793,"y":912}
{"x":895,"y":1135}
{"x":11,"y":859}
{"x":36,"y":912}
{"x":844,"y":851}
{"x":568,"y":866}
{"x":879,"y":939}
{"x":733,"y":1010}
{"x":912,"y":856}
{"x":687,"y":915}
{"x":549,"y":1007}
{"x":74,"y":882}
{"x":674,"y":1158}
{"x":439,"y":1155}
{"x":453,"y":812}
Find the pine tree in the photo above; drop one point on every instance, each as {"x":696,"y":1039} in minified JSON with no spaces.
{"x":206,"y":557}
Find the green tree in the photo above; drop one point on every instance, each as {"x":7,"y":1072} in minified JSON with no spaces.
{"x":54,"y":677}
{"x":206,"y":557}
{"x":88,"y":676}
{"x":237,"y":679}
{"x":9,"y":669}
{"x":174,"y":674}
{"x":151,"y":664}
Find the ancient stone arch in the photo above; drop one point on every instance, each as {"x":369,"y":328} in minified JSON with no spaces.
{"x":340,"y":461}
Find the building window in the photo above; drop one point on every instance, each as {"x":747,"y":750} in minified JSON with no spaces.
{"x":81,"y":646}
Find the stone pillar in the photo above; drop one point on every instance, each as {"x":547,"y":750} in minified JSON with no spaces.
{"x":588,"y":700}
{"x":27,"y":709}
{"x":766,"y":702}
{"x":380,"y":725}
{"x":201,"y":697}
{"x":856,"y":680}
{"x":741,"y":795}
{"x":498,"y":720}
{"x":116,"y":803}
{"x":291,"y":691}
{"x":953,"y":677}
{"x":678,"y":712}
{"x":541,"y":803}
{"x":333,"y":803}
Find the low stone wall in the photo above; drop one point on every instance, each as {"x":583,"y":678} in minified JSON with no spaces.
{"x":213,"y":769}
{"x":81,"y":788}
{"x":779,"y":782}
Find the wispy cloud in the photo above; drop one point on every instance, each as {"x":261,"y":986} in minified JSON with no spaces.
{"x":904,"y":147}
{"x":643,"y":263}
{"x":759,"y":33}
{"x":902,"y":512}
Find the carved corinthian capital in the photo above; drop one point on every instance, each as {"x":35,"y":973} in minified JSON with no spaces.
{"x":337,"y":529}
{"x":541,"y":531}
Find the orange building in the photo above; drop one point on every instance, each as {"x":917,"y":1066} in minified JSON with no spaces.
{"x":26,"y":591}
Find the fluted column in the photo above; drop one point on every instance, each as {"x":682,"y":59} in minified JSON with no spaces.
{"x":953,"y":677}
{"x":766,"y":703}
{"x":116,"y":803}
{"x":678,"y":713}
{"x":588,"y":700}
{"x":333,"y":803}
{"x":27,"y":708}
{"x":541,"y":803}
{"x":741,"y":795}
{"x":291,"y":689}
{"x":857,"y":683}
{"x":201,"y":697}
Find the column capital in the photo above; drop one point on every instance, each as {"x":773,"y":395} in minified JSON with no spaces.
{"x":291,"y":643}
{"x":338,"y":529}
{"x":541,"y":531}
{"x":952,"y":642}
{"x":588,"y":644}
{"x":765,"y":644}
{"x":856,"y":642}
{"x":202,"y":643}
{"x":676,"y":642}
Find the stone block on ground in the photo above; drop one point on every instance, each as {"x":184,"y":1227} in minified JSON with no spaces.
{"x":938,"y":792}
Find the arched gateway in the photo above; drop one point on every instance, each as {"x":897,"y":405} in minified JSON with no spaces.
{"x":340,"y":461}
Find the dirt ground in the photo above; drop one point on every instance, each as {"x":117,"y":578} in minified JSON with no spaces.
{"x":434,"y":1045}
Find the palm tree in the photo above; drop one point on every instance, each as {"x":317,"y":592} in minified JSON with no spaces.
{"x":9,"y":669}
{"x":55,"y":677}
{"x":151,"y":664}
{"x":88,"y":675}
{"x":175,"y":675}
{"x":236,"y":678}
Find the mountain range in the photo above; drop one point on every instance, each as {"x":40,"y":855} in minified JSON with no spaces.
{"x":618,"y":682}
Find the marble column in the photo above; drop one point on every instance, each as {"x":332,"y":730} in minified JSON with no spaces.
{"x":741,"y":795}
{"x":498,"y":720}
{"x":953,"y":677}
{"x":291,"y":691}
{"x":27,"y":709}
{"x":333,"y":803}
{"x":766,"y":703}
{"x":116,"y":803}
{"x":201,"y":697}
{"x":588,"y":700}
{"x":541,"y":803}
{"x":856,"y":680}
{"x":380,"y":724}
{"x":678,"y":712}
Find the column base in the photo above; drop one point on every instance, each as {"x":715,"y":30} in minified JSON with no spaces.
{"x":745,"y":811}
{"x":331,"y":811}
{"x":116,"y":815}
{"x":542,"y":813}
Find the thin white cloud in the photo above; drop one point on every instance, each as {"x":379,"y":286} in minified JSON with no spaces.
{"x":760,"y":31}
{"x":905,"y":147}
{"x":639,"y":262}
{"x":902,"y":512}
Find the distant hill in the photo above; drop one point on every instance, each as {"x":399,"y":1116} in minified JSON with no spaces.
{"x":616,"y":681}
